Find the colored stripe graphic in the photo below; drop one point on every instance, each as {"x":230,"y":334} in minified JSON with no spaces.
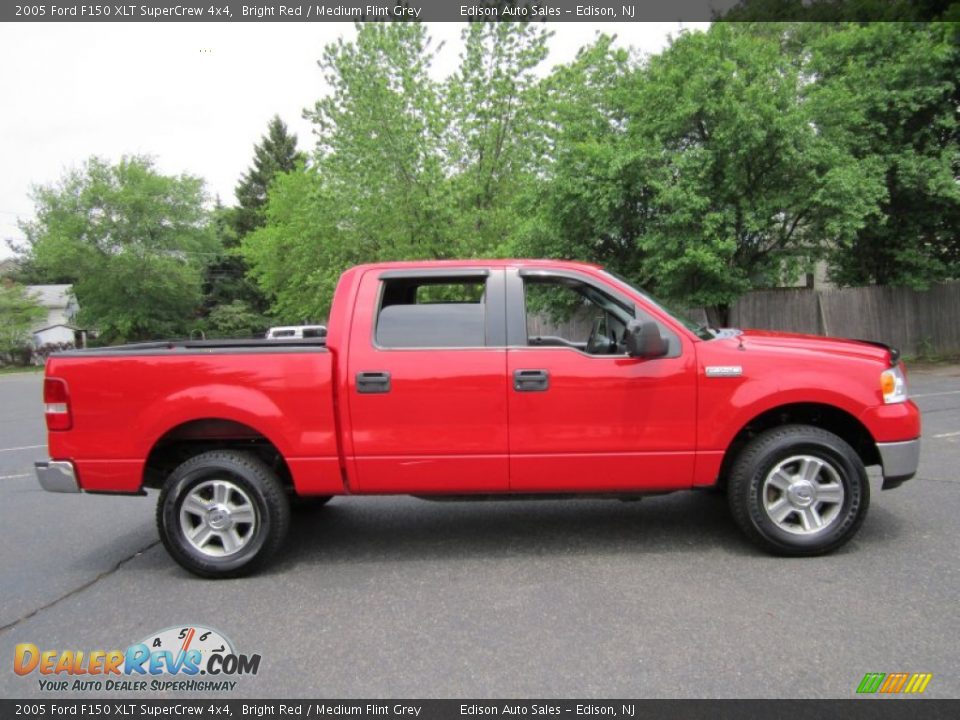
{"x":918,"y":682}
{"x":871,"y":682}
{"x":893,"y":683}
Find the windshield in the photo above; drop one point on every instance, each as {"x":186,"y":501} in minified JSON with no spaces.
{"x":700,"y":330}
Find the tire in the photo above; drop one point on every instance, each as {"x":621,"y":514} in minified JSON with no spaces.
{"x":789,"y":479}
{"x":223,"y":514}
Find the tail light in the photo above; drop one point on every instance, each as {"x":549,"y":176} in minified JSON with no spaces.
{"x":56,"y":404}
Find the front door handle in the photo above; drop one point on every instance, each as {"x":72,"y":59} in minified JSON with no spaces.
{"x":531,"y":380}
{"x":373,"y":382}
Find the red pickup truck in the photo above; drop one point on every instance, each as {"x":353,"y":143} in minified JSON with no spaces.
{"x":481,"y":379}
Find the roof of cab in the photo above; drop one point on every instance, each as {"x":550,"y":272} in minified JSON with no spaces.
{"x":479,"y":262}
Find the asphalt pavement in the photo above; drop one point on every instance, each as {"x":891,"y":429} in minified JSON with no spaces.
{"x":397,"y":597}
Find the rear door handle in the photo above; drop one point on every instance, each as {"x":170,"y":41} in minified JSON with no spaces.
{"x":531,"y":380}
{"x":373,"y":382}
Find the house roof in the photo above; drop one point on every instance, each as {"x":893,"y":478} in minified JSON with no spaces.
{"x":51,"y":296}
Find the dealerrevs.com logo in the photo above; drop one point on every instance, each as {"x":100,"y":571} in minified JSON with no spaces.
{"x":190,"y":658}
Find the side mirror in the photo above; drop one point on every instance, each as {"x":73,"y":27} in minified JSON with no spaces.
{"x":643,"y":340}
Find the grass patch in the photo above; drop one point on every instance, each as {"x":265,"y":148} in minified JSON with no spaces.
{"x":14,"y":369}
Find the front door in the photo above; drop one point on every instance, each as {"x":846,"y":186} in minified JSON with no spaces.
{"x":585,"y":417}
{"x":427,"y":393}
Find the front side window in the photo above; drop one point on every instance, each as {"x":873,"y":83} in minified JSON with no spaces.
{"x":567,"y":312}
{"x":701,"y":331}
{"x":432,"y":312}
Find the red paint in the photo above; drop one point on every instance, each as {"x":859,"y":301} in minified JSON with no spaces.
{"x":452,"y":421}
{"x":606,"y":423}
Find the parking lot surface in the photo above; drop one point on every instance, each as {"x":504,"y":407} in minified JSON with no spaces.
{"x":397,"y":597}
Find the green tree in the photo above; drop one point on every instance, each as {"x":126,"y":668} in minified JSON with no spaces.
{"x":589,"y":203}
{"x":376,"y":188}
{"x":745,"y":188}
{"x":494,"y":142}
{"x":132,"y":241}
{"x":276,"y":153}
{"x":379,"y":142}
{"x":889,"y":94}
{"x":18,"y":314}
{"x":827,"y":11}
{"x":405,"y":167}
{"x":234,"y":319}
{"x":731,"y":161}
{"x":701,"y":176}
{"x":298,"y":256}
{"x":226,"y":278}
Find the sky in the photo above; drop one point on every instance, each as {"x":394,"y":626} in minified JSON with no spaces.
{"x":195,"y":96}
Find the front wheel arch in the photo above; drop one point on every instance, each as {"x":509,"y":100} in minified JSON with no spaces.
{"x":827,"y":417}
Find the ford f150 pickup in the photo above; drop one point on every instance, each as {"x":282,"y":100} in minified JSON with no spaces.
{"x":481,"y":379}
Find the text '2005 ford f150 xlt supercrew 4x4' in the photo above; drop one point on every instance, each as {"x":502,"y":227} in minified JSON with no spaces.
{"x":471,"y":379}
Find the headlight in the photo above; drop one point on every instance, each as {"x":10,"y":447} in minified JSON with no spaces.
{"x":893,"y":385}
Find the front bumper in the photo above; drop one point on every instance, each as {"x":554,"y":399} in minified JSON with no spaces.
{"x":57,"y":476}
{"x":899,"y":460}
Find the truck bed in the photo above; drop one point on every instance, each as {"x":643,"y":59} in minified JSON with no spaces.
{"x":129,"y":402}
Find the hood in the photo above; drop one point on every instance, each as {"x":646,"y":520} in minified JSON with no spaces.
{"x":862,"y":349}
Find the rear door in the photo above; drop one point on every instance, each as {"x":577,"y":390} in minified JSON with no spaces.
{"x":427,"y":389}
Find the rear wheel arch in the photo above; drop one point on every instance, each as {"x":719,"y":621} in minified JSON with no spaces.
{"x":194,"y":437}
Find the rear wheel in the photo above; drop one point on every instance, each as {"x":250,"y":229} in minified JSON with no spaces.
{"x":798,"y":490}
{"x":222,"y":513}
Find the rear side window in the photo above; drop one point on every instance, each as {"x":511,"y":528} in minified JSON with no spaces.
{"x":432,"y":312}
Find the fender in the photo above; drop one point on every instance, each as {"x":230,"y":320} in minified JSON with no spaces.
{"x":226,"y":402}
{"x":721,"y":419}
{"x":313,"y":461}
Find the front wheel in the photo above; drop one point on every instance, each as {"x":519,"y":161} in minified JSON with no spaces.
{"x":798,"y":490}
{"x":222,"y":513}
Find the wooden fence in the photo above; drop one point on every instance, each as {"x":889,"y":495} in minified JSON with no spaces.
{"x":918,"y":322}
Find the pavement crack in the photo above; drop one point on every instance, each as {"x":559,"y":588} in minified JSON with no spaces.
{"x":79,"y":589}
{"x":937,"y":480}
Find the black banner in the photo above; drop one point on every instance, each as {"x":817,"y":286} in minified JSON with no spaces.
{"x":347,"y":11}
{"x":475,"y":10}
{"x":855,"y":709}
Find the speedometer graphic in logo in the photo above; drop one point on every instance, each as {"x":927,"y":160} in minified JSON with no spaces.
{"x":179,"y":640}
{"x":188,"y":650}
